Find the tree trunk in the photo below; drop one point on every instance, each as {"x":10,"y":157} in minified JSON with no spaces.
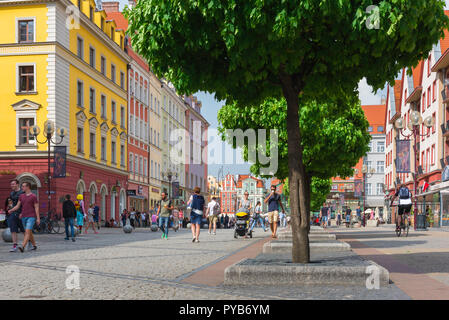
{"x":299,"y":182}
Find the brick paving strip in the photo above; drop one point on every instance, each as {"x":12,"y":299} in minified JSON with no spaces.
{"x":213,"y":275}
{"x":415,"y":284}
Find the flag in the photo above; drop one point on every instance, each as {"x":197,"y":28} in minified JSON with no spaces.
{"x":426,"y":185}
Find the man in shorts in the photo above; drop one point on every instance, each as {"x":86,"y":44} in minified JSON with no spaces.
{"x":213,"y":210}
{"x":13,"y":217}
{"x":405,"y":202}
{"x":30,"y":214}
{"x":324,"y":215}
{"x":274,"y":201}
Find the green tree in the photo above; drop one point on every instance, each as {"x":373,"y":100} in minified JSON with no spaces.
{"x":250,"y":50}
{"x":335,"y":137}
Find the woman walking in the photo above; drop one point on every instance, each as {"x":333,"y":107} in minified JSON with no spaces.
{"x":90,"y":219}
{"x":257,"y":217}
{"x":196,"y":202}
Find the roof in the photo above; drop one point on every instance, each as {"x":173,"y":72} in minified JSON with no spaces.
{"x":119,"y":19}
{"x":247,"y":176}
{"x":375,"y":116}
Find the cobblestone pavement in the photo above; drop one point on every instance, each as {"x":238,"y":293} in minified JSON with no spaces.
{"x":418,"y":264}
{"x":141,"y":265}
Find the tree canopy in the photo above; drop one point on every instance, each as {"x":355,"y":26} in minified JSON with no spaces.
{"x":334,"y":133}
{"x":242,"y":49}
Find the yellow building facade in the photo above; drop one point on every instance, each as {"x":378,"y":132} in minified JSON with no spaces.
{"x":63,"y":61}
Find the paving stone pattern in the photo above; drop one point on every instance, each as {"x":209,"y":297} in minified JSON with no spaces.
{"x":140,"y":265}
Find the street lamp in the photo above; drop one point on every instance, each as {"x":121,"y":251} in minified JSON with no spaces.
{"x":49,"y":129}
{"x":413,"y":127}
{"x":366,"y":173}
{"x":169,"y":175}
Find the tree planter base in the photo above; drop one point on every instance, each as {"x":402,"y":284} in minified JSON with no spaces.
{"x":312,"y":236}
{"x":315,"y":247}
{"x":349,"y":271}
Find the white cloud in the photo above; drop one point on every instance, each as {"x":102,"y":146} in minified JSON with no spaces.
{"x":366,"y":94}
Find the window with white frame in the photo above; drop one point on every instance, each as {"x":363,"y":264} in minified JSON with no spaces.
{"x":79,"y":93}
{"x":136,"y":164}
{"x":26,"y":30}
{"x":131,"y":162}
{"x":80,"y":140}
{"x":151,"y":170}
{"x":380,"y":166}
{"x":379,"y":189}
{"x":103,"y":149}
{"x":380,"y":146}
{"x":113,"y":75}
{"x":80,"y":48}
{"x":122,"y":116}
{"x":113,"y":112}
{"x":113,"y":152}
{"x":26,"y":78}
{"x":92,"y":101}
{"x":25,"y":137}
{"x":92,"y":140}
{"x":122,"y":155}
{"x":103,"y":106}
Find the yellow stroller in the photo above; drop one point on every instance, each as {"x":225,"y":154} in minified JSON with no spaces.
{"x":242,"y":225}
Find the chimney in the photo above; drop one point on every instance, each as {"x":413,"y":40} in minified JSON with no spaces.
{"x":111,"y":6}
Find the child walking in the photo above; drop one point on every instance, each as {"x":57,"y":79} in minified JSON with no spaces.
{"x":79,"y":217}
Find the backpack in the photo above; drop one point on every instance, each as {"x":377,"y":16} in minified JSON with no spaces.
{"x":216,"y":209}
{"x":404,"y":193}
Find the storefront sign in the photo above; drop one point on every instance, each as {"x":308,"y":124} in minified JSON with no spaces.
{"x":131,"y":192}
{"x":140,"y":189}
{"x":154,"y":190}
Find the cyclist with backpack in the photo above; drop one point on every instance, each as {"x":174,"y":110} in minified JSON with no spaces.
{"x":213,"y":210}
{"x":405,"y":202}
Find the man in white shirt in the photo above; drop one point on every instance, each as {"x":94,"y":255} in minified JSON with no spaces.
{"x":213,"y":210}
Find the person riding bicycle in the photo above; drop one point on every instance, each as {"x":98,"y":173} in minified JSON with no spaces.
{"x":405,"y":202}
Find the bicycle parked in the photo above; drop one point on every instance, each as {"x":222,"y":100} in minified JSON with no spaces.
{"x":49,"y":224}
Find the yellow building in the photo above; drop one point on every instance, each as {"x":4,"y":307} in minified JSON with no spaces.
{"x":64,"y":61}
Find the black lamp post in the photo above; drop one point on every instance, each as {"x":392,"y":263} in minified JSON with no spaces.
{"x":169,"y":175}
{"x":413,"y":126}
{"x":366,"y":173}
{"x":49,"y":129}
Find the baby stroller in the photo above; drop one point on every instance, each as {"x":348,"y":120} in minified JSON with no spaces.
{"x":242,"y":224}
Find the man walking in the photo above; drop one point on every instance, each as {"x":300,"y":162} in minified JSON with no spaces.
{"x":30,"y":214}
{"x":69,"y":214}
{"x":212,"y":212}
{"x":196,"y":202}
{"x":97,"y":216}
{"x":324,"y":213}
{"x":163,"y":211}
{"x":13,"y":217}
{"x":274,"y":201}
